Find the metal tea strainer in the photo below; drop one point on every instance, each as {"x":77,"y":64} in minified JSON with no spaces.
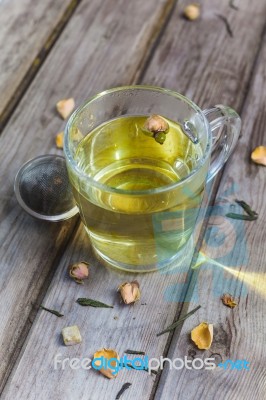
{"x":43,"y":190}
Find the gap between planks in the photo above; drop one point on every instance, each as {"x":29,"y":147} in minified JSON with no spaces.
{"x":154,"y":42}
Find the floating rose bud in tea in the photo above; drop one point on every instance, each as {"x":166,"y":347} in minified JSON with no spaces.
{"x":156,"y":123}
{"x":156,"y":127}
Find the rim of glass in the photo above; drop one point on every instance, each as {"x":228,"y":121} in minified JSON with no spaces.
{"x":107,"y":188}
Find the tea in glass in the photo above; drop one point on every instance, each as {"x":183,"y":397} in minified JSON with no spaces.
{"x":140,"y":227}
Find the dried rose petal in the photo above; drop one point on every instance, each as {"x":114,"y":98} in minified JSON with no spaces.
{"x":129,"y":292}
{"x":59,"y":140}
{"x":79,"y":271}
{"x":65,"y":107}
{"x":107,"y":354}
{"x":258,"y":155}
{"x":228,"y":300}
{"x":202,"y":335}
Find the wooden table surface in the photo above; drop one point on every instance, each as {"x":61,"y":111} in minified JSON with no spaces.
{"x":75,"y":48}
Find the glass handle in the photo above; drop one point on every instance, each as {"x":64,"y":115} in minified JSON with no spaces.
{"x":225,"y":125}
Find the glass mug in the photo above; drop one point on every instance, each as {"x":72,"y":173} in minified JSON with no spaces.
{"x":139,"y":198}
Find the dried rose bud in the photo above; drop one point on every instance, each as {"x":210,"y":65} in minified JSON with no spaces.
{"x":79,"y":271}
{"x":129,"y":292}
{"x":59,"y":140}
{"x":65,"y":107}
{"x":155,"y":124}
{"x":192,"y":11}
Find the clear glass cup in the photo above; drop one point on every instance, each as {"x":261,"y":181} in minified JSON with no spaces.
{"x":133,"y":223}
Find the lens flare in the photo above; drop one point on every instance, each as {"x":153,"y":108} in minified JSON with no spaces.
{"x":255,"y":280}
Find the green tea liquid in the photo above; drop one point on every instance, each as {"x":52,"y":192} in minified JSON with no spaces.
{"x":137,"y":219}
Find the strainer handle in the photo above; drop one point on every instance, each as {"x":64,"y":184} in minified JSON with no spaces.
{"x":225,"y":125}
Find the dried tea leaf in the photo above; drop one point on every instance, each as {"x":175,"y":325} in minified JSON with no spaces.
{"x":252,"y":215}
{"x":242,"y":217}
{"x":122,"y":390}
{"x":128,"y":351}
{"x":228,"y":300}
{"x":59,"y":140}
{"x":258,"y":155}
{"x":179,"y":321}
{"x":83,"y":301}
{"x":247,"y":208}
{"x":107,"y":354}
{"x":65,"y":107}
{"x":202,"y":335}
{"x":58,"y":314}
{"x":226,"y":23}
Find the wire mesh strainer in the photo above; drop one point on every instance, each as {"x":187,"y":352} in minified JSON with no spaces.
{"x":42,"y":189}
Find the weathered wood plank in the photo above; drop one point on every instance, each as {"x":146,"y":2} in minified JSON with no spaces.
{"x":194,"y":58}
{"x":99,"y":328}
{"x":100,"y":35}
{"x":239,"y":334}
{"x":28,"y":31}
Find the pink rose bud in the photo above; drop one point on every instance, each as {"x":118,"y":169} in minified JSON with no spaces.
{"x":156,"y":123}
{"x":129,"y":292}
{"x":79,"y":271}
